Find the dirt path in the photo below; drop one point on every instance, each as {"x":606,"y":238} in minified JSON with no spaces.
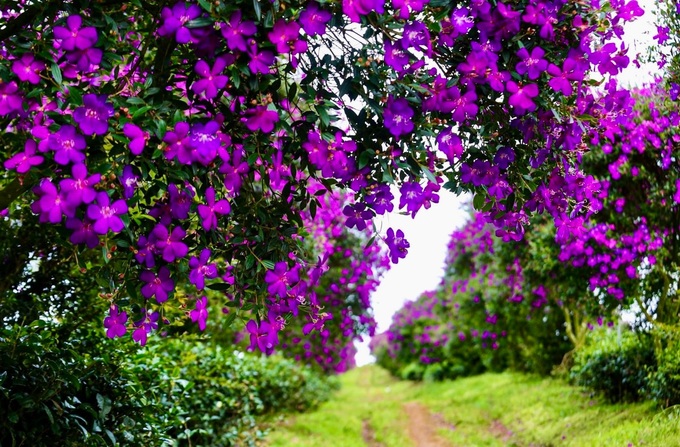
{"x":369,"y":435}
{"x":422,"y":426}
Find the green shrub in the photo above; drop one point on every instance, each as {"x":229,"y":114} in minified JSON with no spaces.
{"x":616,"y":364}
{"x":84,"y":389}
{"x":664,"y":382}
{"x":205,"y":395}
{"x":67,"y":388}
{"x":413,"y":371}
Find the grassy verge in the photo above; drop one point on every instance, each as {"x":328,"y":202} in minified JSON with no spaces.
{"x":490,"y":410}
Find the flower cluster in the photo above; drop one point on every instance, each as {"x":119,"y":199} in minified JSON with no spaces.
{"x":194,"y":147}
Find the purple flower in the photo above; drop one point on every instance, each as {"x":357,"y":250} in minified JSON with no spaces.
{"x":68,"y":145}
{"x":464,"y":106}
{"x":313,"y":19}
{"x":93,"y":116}
{"x":450,"y":144}
{"x":380,"y":199}
{"x":175,"y":19}
{"x":661,"y":34}
{"x":521,"y":98}
{"x":115,"y":322}
{"x":674,"y":91}
{"x":83,"y":232}
{"x":504,"y":157}
{"x":354,"y":9}
{"x":260,"y":118}
{"x":235,"y":171}
{"x":200,"y":313}
{"x":532,"y":64}
{"x":84,"y":60}
{"x":405,"y":7}
{"x":137,"y":138}
{"x":178,"y":143}
{"x":357,"y":215}
{"x":263,"y":336}
{"x":417,"y":37}
{"x":10,"y":98}
{"x":200,"y":269}
{"x":73,"y":37}
{"x":105,"y":215}
{"x":129,"y":181}
{"x":22,"y":162}
{"x":397,"y":116}
{"x":180,"y":201}
{"x":51,"y":203}
{"x":480,"y":173}
{"x":212,"y":80}
{"x":260,"y":61}
{"x":204,"y":139}
{"x":412,"y":195}
{"x":281,"y":279}
{"x":148,"y":323}
{"x":235,"y":32}
{"x":395,"y":56}
{"x":286,"y":37}
{"x":168,"y":243}
{"x":80,"y":188}
{"x":28,"y":69}
{"x":397,"y":244}
{"x":145,"y":252}
{"x":462,"y":21}
{"x":208,"y":213}
{"x":157,"y":285}
{"x":561,"y":80}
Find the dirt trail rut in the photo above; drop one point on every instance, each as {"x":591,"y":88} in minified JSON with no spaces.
{"x":422,"y":426}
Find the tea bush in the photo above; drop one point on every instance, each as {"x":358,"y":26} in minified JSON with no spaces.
{"x":615,"y":363}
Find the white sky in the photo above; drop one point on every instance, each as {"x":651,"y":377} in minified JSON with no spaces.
{"x":429,"y":232}
{"x":422,"y":268}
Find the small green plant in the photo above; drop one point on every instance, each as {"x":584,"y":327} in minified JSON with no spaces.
{"x":664,"y":381}
{"x":615,"y":363}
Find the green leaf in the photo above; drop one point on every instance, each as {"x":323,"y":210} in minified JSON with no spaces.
{"x":141,"y":111}
{"x":250,"y":262}
{"x":229,"y":320}
{"x":312,"y":209}
{"x":292,"y":91}
{"x":430,"y":176}
{"x":479,"y":200}
{"x":206,"y":5}
{"x":56,"y":74}
{"x":268,"y":264}
{"x":199,"y":22}
{"x":258,"y":10}
{"x":104,"y":404}
{"x":218,"y":286}
{"x":323,"y":115}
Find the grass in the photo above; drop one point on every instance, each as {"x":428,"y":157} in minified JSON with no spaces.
{"x":507,"y":409}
